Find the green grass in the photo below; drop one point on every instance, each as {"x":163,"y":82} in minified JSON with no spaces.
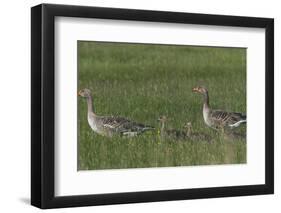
{"x":142,"y":82}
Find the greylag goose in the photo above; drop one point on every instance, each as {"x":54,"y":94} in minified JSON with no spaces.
{"x":111,"y":125}
{"x":218,"y":119}
{"x":196,"y":136}
{"x":170,"y":133}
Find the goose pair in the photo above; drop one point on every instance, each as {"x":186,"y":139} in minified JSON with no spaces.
{"x":218,"y":119}
{"x":111,"y":125}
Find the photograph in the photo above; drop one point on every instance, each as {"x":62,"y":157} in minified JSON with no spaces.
{"x":139,"y":105}
{"x":160,"y":105}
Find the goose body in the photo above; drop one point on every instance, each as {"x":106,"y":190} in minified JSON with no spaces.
{"x":170,"y":133}
{"x":111,"y":125}
{"x":196,"y":136}
{"x":218,"y":118}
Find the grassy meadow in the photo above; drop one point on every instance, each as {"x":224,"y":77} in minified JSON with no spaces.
{"x":142,"y":82}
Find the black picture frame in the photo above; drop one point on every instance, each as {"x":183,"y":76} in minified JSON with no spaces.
{"x":43,"y":102}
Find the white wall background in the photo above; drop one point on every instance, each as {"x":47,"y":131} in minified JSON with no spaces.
{"x":15,"y":105}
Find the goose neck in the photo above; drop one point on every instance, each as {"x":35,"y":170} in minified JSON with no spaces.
{"x":162,"y":128}
{"x":189,"y":130}
{"x":206,"y":100}
{"x":162,"y":125}
{"x":90,"y":105}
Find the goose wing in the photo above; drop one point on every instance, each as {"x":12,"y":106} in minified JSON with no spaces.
{"x":124,"y":125}
{"x":223,"y":118}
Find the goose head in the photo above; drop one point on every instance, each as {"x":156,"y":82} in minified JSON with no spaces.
{"x":188,"y":127}
{"x":162,"y":119}
{"x":85,"y":93}
{"x":199,"y":89}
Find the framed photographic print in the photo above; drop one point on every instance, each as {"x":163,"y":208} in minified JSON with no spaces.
{"x":139,"y":106}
